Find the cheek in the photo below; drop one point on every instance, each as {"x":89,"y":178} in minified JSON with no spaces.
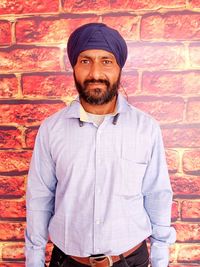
{"x":114,"y":75}
{"x":114,"y":78}
{"x":80,"y":74}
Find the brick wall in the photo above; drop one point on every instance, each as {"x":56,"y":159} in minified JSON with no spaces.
{"x":162,"y":77}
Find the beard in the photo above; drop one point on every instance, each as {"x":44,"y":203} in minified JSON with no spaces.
{"x":97,"y":96}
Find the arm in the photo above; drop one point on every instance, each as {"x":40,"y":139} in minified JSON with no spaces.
{"x":157,"y":202}
{"x":39,"y":200}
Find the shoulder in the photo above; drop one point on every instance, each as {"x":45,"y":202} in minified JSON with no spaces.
{"x":142,"y":117}
{"x":51,"y":121}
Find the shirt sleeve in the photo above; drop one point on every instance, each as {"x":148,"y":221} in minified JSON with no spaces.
{"x":158,"y":201}
{"x":39,"y":200}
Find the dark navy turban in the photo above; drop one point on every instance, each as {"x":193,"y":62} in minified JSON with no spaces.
{"x":96,"y":36}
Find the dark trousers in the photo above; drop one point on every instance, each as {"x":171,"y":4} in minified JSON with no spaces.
{"x":139,"y":258}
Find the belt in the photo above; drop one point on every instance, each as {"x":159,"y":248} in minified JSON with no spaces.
{"x":104,"y":260}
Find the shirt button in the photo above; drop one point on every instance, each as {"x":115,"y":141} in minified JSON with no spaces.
{"x":98,"y":222}
{"x":98,"y":250}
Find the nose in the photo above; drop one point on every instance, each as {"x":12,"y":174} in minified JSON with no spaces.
{"x":95,"y":71}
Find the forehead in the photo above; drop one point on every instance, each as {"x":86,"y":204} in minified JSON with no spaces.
{"x":96,"y":53}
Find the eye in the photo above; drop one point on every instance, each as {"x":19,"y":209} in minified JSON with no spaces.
{"x":107,"y":61}
{"x":84,"y":61}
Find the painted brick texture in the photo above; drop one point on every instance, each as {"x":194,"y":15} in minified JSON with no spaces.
{"x":161,"y":77}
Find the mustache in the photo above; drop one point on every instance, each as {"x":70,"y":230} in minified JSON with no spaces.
{"x":106,"y":82}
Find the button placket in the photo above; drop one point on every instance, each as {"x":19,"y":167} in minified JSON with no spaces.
{"x":97,"y":202}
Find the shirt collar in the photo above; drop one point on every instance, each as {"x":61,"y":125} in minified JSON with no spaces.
{"x":75,"y":110}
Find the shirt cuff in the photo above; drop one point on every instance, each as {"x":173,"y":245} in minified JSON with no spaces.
{"x":35,"y":257}
{"x":159,"y":255}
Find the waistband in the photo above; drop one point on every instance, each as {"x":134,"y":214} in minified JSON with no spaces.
{"x":104,"y":260}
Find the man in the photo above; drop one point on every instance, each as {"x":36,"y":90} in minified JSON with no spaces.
{"x":98,"y":183}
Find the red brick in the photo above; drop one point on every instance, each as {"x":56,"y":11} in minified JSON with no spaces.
{"x":30,"y":135}
{"x":172,"y":158}
{"x":126,"y":25}
{"x":28,"y":113}
{"x":166,"y":83}
{"x":141,"y":4}
{"x":191,"y":161}
{"x":172,"y":253}
{"x":14,"y":161}
{"x":15,"y":264}
{"x":39,"y":30}
{"x":187,"y":232}
{"x":10,"y":137}
{"x":13,"y":251}
{"x":23,"y":7}
{"x":5,"y":32}
{"x":171,"y":26}
{"x":12,"y":231}
{"x":155,"y":56}
{"x":47,"y":30}
{"x":12,"y":186}
{"x":89,"y":6}
{"x":49,"y":84}
{"x":162,"y":109}
{"x":190,"y":210}
{"x":14,"y":209}
{"x":194,"y":50}
{"x":185,"y":185}
{"x":175,"y":210}
{"x":85,"y":6}
{"x":182,"y":136}
{"x":25,"y":58}
{"x":194,"y":3}
{"x":8,"y":86}
{"x":193,"y":110}
{"x":189,"y":253}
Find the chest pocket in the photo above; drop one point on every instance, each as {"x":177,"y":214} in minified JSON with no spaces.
{"x":131,"y":177}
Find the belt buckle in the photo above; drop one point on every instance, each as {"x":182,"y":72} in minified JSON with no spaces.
{"x":92,"y":258}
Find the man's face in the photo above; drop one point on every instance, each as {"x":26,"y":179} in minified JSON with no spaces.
{"x":97,"y":76}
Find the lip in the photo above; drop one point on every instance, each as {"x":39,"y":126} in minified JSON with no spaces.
{"x":96,"y":85}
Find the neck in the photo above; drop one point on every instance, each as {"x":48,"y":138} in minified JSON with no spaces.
{"x":99,"y":109}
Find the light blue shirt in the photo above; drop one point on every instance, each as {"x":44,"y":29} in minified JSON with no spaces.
{"x":98,"y":189}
